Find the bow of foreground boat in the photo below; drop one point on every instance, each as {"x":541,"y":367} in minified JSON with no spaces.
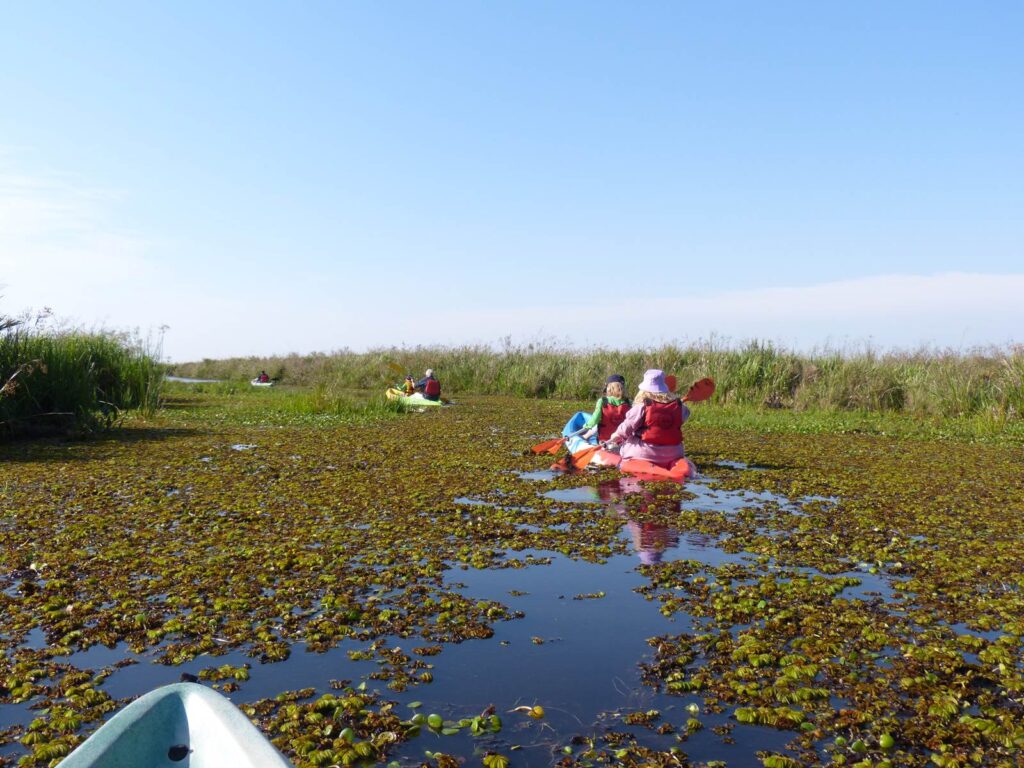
{"x":185,"y":724}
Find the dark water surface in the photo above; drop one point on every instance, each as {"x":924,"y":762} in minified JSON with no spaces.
{"x":577,"y":657}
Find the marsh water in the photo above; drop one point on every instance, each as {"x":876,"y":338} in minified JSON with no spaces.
{"x":576,"y":649}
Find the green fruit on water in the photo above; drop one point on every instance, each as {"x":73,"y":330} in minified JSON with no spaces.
{"x":840,"y":741}
{"x":435,"y":721}
{"x":348,"y":735}
{"x":886,"y":741}
{"x":859,"y":746}
{"x":418,"y":719}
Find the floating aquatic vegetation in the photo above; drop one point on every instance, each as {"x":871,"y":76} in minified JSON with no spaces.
{"x":876,"y":615}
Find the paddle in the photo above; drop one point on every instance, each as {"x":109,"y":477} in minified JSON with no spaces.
{"x":701,"y":390}
{"x":553,"y":446}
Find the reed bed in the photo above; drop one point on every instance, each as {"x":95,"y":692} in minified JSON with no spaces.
{"x":70,"y":380}
{"x":936,"y":383}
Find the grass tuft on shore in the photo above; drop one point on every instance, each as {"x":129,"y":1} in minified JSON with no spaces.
{"x":70,"y":381}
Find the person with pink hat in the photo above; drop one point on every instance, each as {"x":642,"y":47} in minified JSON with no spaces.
{"x":652,"y":429}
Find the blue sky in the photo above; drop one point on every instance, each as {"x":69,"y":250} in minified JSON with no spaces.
{"x":270,"y":177}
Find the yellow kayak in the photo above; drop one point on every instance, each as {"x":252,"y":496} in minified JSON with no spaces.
{"x":416,"y":400}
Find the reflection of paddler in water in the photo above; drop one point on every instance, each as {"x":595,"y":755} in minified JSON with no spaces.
{"x":650,"y":539}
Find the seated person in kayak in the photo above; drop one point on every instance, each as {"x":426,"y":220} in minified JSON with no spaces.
{"x":408,"y":386}
{"x":652,"y":429}
{"x":429,"y":386}
{"x":263,"y":378}
{"x":610,"y":410}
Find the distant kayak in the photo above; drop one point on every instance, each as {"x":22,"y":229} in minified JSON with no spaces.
{"x":258,"y":383}
{"x":417,"y":399}
{"x":183,"y":724}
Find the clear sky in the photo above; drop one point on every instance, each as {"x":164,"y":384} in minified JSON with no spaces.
{"x":267,"y":177}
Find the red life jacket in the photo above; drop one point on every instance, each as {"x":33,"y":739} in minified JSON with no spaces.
{"x":611,"y":417}
{"x":432,"y":388}
{"x":663,"y":423}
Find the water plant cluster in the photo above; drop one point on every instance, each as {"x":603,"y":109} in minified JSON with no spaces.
{"x":71,"y":381}
{"x":935,"y":383}
{"x":876,"y":621}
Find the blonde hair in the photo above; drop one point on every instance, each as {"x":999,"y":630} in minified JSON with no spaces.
{"x":615,"y":389}
{"x":657,"y":397}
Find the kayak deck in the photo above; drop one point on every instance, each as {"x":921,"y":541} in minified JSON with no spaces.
{"x":184,"y":725}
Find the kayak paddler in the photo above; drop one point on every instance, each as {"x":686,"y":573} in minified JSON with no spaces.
{"x":652,"y":428}
{"x":429,"y":386}
{"x":609,"y":411}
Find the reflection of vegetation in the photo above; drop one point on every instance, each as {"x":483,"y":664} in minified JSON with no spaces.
{"x":61,"y":380}
{"x":257,"y":529}
{"x":941,"y":384}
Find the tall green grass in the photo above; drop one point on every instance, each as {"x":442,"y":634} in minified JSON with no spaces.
{"x":69,"y":380}
{"x":940,"y":383}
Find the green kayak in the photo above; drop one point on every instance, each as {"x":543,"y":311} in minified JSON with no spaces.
{"x":184,"y":725}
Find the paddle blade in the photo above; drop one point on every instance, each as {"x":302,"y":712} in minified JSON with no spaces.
{"x":701,"y":390}
{"x":547,"y":445}
{"x":556,"y":447}
{"x":582,"y":458}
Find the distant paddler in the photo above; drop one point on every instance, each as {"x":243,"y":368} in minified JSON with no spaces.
{"x":429,"y":386}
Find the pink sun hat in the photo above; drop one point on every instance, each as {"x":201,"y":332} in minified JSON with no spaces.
{"x":654,"y":381}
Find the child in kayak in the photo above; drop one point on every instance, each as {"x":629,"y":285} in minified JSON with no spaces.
{"x":409,"y":386}
{"x":610,"y":410}
{"x":652,"y":428}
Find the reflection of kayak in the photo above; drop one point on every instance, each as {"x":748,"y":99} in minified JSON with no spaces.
{"x":182,"y":724}
{"x":415,"y":400}
{"x":258,"y":383}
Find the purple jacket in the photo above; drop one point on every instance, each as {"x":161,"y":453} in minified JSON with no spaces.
{"x":635,"y":448}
